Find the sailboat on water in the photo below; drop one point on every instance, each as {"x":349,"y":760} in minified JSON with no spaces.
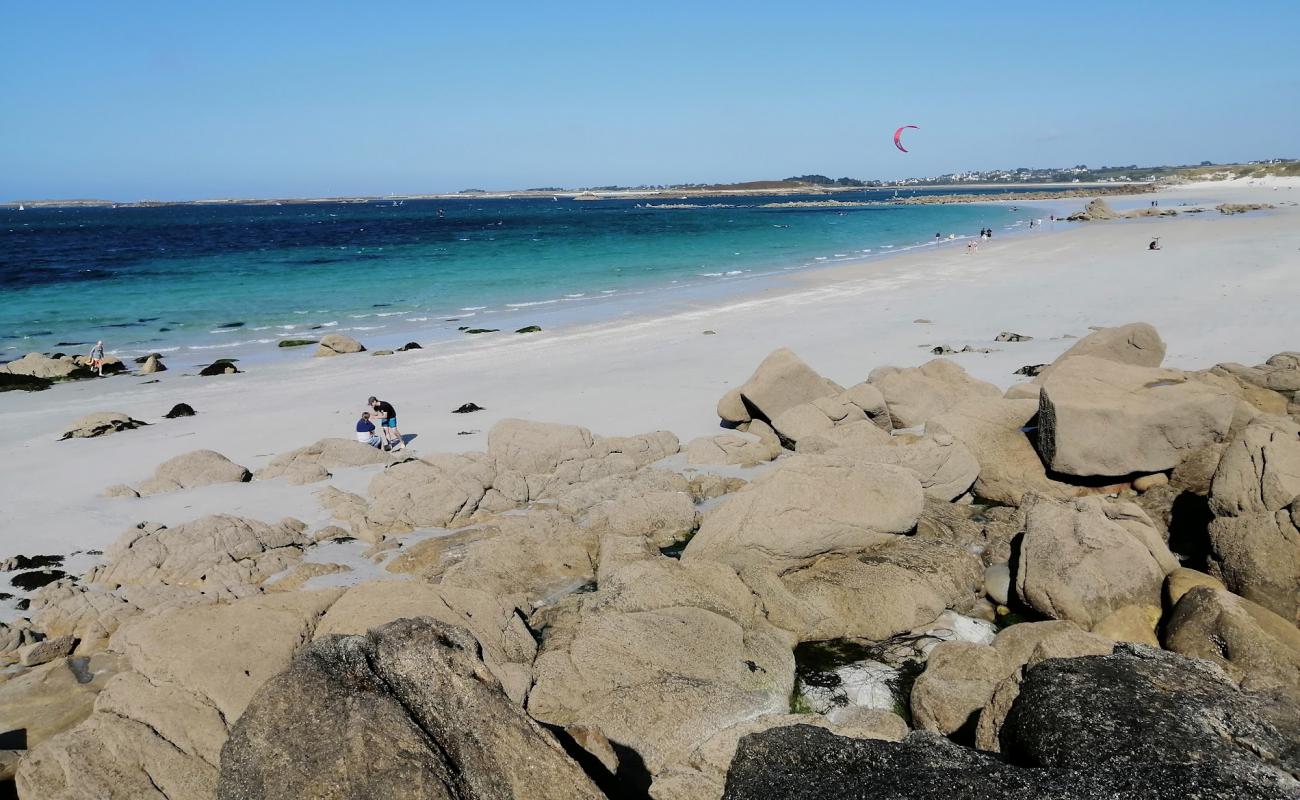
{"x":21,"y":207}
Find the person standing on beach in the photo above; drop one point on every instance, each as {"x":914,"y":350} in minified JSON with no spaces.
{"x":388,"y":421}
{"x":938,"y":237}
{"x":97,"y":358}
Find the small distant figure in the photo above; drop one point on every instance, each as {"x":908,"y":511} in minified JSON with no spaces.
{"x":366,"y":431}
{"x":1052,"y":218}
{"x":938,"y":237}
{"x":387,"y":416}
{"x":988,"y":233}
{"x":1155,"y":244}
{"x":441,"y":213}
{"x":972,"y":247}
{"x":97,"y":358}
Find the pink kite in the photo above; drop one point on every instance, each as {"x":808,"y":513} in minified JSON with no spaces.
{"x":898,"y":137}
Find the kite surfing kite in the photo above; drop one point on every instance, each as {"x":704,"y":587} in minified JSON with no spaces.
{"x":898,"y":137}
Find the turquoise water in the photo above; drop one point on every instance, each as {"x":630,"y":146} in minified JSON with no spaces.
{"x":207,"y":281}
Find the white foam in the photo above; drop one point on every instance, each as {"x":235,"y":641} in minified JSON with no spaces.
{"x":473,"y":308}
{"x":529,"y":305}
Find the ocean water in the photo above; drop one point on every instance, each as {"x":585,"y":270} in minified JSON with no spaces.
{"x":200,"y":282}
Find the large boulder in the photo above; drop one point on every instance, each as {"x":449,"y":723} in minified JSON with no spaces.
{"x":152,"y":364}
{"x":99,"y":424}
{"x":994,"y":432}
{"x":1091,"y":559}
{"x":916,"y":394}
{"x":848,"y":438}
{"x":157,"y":730}
{"x":802,"y":762}
{"x":1255,"y":498}
{"x":194,"y":469}
{"x":314,"y":462}
{"x":888,"y":588}
{"x":334,"y":344}
{"x":507,"y":646}
{"x":222,"y":555}
{"x":703,"y":775}
{"x":1148,"y":706}
{"x":50,"y":699}
{"x":1256,"y":647}
{"x":781,"y":382}
{"x":954,"y":695}
{"x":808,"y":507}
{"x":1102,"y":418}
{"x":406,"y":711}
{"x":661,"y":658}
{"x":436,"y":491}
{"x":1136,"y":343}
{"x":535,"y":447}
{"x":945,"y":467}
{"x":740,"y":449}
{"x":859,"y":403}
{"x":39,"y":365}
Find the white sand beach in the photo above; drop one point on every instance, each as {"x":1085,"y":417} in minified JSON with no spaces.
{"x":1223,"y":288}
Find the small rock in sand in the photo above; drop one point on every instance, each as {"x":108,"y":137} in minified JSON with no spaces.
{"x":180,"y":410}
{"x":222,"y":366}
{"x":409,"y":346}
{"x":468,"y":408}
{"x":1006,"y":336}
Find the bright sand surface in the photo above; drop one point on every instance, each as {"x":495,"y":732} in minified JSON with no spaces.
{"x":1221,"y":289}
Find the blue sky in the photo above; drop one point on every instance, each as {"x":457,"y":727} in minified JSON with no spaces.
{"x":131,"y":100}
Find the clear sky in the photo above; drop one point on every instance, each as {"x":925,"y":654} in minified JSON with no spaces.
{"x":136,"y":99}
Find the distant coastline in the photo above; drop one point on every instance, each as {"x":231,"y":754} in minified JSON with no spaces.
{"x":1050,"y":191}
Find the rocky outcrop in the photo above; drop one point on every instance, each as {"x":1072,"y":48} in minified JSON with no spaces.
{"x":782,"y":381}
{"x":860,"y":403}
{"x":408,"y":710}
{"x":1102,"y":418}
{"x":335,"y":344}
{"x":221,"y":555}
{"x":157,"y":729}
{"x":945,"y":467}
{"x":801,"y":762}
{"x":507,"y":645}
{"x":1136,"y":343}
{"x":1255,"y":534}
{"x":703,"y":774}
{"x":1093,"y":562}
{"x":994,"y":431}
{"x":194,"y":469}
{"x":1256,"y":647}
{"x":1147,"y":706}
{"x":39,"y":365}
{"x":314,"y":462}
{"x":872,"y":592}
{"x":740,"y":449}
{"x":100,"y":423}
{"x":153,"y":364}
{"x":809,"y":507}
{"x":688,"y":640}
{"x":916,"y":394}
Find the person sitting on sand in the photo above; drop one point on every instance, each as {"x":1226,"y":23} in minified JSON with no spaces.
{"x":1155,"y":244}
{"x":366,"y":431}
{"x":97,"y":358}
{"x":388,"y":421}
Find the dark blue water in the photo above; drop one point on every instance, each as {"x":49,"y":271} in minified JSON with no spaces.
{"x":238,"y":278}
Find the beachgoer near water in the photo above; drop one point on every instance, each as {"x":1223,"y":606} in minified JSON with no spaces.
{"x":938,"y":237}
{"x":1155,"y":244}
{"x":97,"y":358}
{"x":366,"y":431}
{"x":388,"y":421}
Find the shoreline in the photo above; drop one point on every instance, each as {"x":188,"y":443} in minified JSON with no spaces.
{"x":633,"y":374}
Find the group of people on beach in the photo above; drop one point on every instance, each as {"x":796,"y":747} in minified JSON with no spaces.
{"x":385,"y":436}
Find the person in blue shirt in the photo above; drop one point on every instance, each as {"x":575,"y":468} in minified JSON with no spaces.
{"x":366,"y":431}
